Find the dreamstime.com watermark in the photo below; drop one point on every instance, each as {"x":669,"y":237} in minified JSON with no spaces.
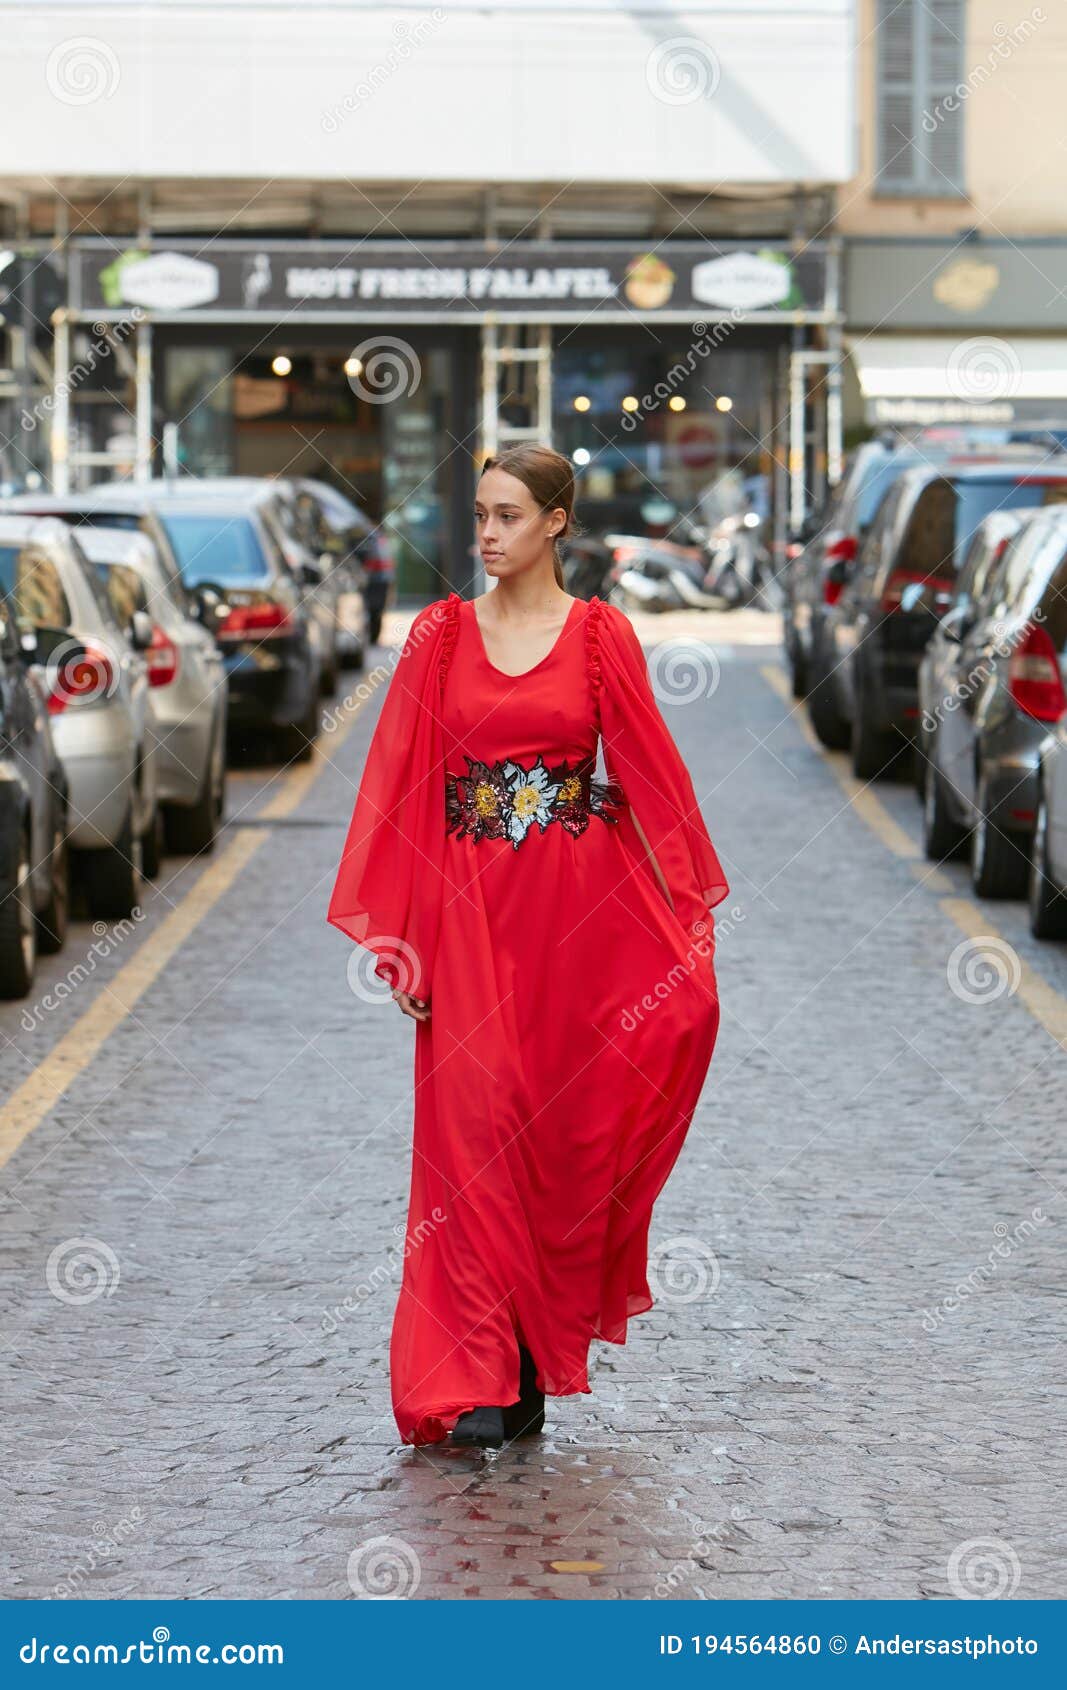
{"x":680,"y":1574}
{"x":156,"y":1651}
{"x":384,"y":1272}
{"x":1004,"y":643}
{"x":112,"y":935}
{"x":1009,"y":37}
{"x":106,"y":1541}
{"x":409,"y":36}
{"x":985,"y":1569}
{"x":705,"y":342}
{"x":107,"y":335}
{"x":706,"y":938}
{"x":1005,"y":1247}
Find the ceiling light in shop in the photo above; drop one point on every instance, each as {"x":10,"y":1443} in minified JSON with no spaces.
{"x":281,"y":365}
{"x":630,"y":403}
{"x":723,"y":403}
{"x":581,"y":456}
{"x":582,"y":403}
{"x":353,"y":367}
{"x":676,"y":402}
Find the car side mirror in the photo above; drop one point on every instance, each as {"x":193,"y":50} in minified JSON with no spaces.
{"x":140,"y":630}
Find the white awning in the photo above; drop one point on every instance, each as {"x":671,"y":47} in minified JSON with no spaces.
{"x":970,"y":369}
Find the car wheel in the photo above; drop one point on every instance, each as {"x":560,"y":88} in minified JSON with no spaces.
{"x":193,"y":828}
{"x":53,"y":919}
{"x":18,"y":928}
{"x":943,"y":837}
{"x":999,"y":862}
{"x":153,"y":846}
{"x":114,"y":879}
{"x":298,"y":742}
{"x":1048,"y":904}
{"x":831,"y":728}
{"x":328,"y":677}
{"x":798,"y":669}
{"x":873,"y":749}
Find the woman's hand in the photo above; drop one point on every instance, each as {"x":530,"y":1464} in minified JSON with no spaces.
{"x":418,"y":1008}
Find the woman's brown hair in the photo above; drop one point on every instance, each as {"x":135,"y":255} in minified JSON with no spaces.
{"x":548,"y":476}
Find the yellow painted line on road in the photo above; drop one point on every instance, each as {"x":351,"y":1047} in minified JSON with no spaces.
{"x":1045,"y":1003}
{"x":859,"y":795}
{"x":39,"y":1093}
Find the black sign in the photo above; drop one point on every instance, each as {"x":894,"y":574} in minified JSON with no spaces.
{"x":552,"y":280}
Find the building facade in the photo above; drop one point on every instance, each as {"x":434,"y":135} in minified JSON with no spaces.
{"x":376,"y":243}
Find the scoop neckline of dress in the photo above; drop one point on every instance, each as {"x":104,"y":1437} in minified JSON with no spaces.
{"x":551,"y":652}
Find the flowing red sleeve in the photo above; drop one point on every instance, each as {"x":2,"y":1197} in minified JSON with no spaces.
{"x":387,"y":893}
{"x":641,"y":756}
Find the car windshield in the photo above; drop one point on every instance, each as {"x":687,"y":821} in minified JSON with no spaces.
{"x":219,"y":548}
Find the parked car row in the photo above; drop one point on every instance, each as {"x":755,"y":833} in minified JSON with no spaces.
{"x":140,"y":625}
{"x":928,"y":616}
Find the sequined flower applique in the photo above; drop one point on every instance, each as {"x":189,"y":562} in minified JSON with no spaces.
{"x":504,"y":800}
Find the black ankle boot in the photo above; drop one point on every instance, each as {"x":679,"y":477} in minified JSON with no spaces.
{"x":527,"y":1416}
{"x":482,"y":1427}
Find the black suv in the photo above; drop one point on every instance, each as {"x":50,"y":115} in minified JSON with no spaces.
{"x":901,"y":582}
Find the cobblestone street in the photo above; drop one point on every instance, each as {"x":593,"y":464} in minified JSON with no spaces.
{"x":851,"y":1384}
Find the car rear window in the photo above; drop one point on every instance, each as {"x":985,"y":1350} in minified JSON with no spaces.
{"x":975,"y":500}
{"x":224,"y":549}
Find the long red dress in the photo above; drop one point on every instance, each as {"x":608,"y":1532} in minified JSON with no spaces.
{"x":573,"y":1011}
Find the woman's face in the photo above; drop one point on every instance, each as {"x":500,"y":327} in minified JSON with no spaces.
{"x":513,"y":533}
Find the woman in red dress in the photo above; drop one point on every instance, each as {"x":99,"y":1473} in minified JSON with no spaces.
{"x":550,"y":933}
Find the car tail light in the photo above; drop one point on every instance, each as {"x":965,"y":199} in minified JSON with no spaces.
{"x":254,"y":621}
{"x":901,"y":578}
{"x":82,"y":680}
{"x":162,"y":658}
{"x":838,"y":552}
{"x":1034,"y":680}
{"x":842,"y":549}
{"x":377,"y":559}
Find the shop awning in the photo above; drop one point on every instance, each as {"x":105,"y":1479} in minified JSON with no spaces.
{"x":975,"y":368}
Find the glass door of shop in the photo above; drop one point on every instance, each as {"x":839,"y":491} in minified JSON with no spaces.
{"x":387,"y":416}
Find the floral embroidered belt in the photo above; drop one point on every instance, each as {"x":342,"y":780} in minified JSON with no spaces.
{"x":503,"y":800}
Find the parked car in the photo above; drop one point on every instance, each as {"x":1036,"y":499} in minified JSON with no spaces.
{"x":360,"y":559}
{"x":983,"y":720}
{"x":119,"y":503}
{"x":97,"y":693}
{"x":255,"y":607}
{"x":187,"y":677}
{"x":1047,"y":885}
{"x":34,"y":859}
{"x":829,"y":542}
{"x":242,"y":589}
{"x":873,"y":637}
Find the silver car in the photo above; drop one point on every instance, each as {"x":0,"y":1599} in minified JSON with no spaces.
{"x":1002,"y":694}
{"x":95,"y":680}
{"x":187,"y":680}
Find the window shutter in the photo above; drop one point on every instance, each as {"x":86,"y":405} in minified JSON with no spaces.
{"x":919,"y":142}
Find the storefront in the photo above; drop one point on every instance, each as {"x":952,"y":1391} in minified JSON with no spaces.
{"x":392,"y":368}
{"x":950,"y":331}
